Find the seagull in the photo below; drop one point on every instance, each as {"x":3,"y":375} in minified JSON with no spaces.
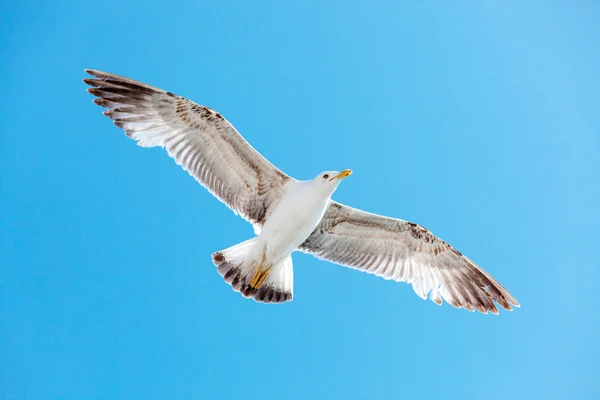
{"x":289,"y":215}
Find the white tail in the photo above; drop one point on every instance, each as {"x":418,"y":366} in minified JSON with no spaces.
{"x":237,"y":266}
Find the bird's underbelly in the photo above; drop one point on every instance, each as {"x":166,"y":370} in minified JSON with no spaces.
{"x":289,"y":227}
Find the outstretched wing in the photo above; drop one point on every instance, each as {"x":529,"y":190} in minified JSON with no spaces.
{"x":405,"y":252}
{"x":197,"y":138}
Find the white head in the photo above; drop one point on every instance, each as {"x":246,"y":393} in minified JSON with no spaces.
{"x":329,"y":180}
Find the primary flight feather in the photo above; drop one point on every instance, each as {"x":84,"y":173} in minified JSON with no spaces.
{"x":287,"y":214}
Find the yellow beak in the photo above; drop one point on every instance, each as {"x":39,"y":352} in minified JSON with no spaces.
{"x":342,"y":174}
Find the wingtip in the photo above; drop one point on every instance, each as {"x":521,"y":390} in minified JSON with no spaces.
{"x":100,"y":101}
{"x":91,"y":82}
{"x":514,"y":301}
{"x":97,"y":74}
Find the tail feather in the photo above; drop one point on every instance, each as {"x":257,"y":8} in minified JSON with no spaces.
{"x":237,"y":267}
{"x":278,"y":287}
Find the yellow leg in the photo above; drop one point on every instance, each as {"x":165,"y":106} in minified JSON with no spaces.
{"x":256,"y":276}
{"x":260,"y":275}
{"x":263,"y":277}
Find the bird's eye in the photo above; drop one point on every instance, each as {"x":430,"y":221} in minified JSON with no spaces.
{"x":325,"y":176}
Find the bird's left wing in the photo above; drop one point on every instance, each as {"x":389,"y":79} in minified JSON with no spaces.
{"x":197,"y":138}
{"x":407,"y":252}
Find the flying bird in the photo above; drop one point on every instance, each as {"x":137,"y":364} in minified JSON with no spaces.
{"x":287,"y":214}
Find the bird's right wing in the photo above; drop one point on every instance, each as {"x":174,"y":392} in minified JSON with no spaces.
{"x":405,"y":252}
{"x":197,"y":138}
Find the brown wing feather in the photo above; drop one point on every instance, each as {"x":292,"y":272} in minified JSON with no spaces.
{"x":404,"y":251}
{"x":197,"y":138}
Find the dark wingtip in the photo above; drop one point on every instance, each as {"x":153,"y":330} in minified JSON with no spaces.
{"x":91,"y":82}
{"x":100,"y":101}
{"x":92,"y":72}
{"x":94,"y":91}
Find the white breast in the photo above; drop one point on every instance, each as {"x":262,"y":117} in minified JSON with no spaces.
{"x":293,"y":220}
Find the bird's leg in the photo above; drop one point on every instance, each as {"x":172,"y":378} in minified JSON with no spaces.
{"x":260,"y":275}
{"x":256,"y":277}
{"x":264,"y":275}
{"x":258,"y":272}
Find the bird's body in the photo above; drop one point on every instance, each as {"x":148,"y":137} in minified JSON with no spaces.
{"x":287,"y":214}
{"x":293,"y":220}
{"x":265,"y":259}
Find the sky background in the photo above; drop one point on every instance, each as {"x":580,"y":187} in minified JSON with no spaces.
{"x":479,"y":121}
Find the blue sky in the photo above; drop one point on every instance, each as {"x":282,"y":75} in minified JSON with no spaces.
{"x":479,"y":121}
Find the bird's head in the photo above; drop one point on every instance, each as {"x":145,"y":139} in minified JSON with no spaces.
{"x":329,"y":180}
